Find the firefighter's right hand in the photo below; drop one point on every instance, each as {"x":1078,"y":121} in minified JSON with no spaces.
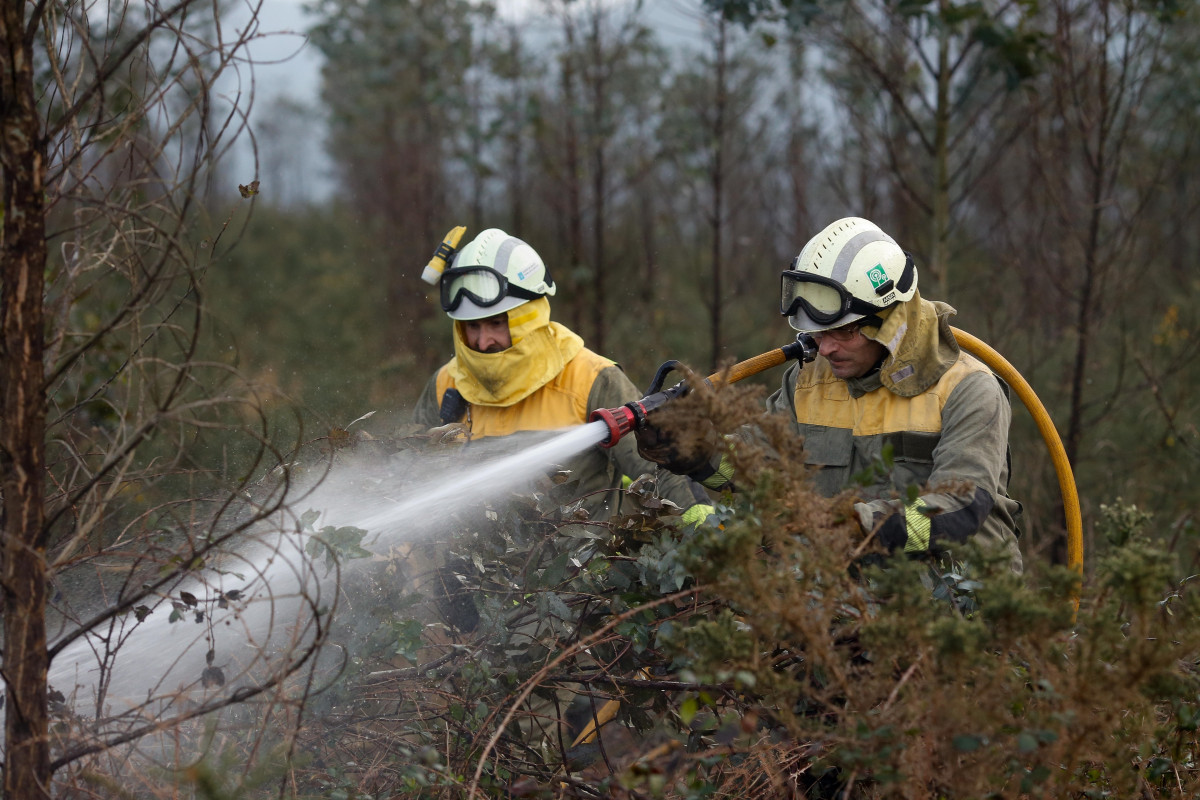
{"x":681,"y":452}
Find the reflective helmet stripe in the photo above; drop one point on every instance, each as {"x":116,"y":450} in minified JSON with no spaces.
{"x":845,"y":258}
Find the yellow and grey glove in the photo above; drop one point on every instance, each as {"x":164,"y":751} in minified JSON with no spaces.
{"x":699,"y":514}
{"x":928,"y":522}
{"x":906,"y":528}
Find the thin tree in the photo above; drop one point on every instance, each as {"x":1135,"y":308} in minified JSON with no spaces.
{"x":392,"y":85}
{"x":940,"y":77}
{"x":1086,"y":180}
{"x":712,"y":137}
{"x":110,"y":127}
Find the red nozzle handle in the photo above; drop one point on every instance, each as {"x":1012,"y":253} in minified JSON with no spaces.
{"x":620,"y":421}
{"x":632,"y":415}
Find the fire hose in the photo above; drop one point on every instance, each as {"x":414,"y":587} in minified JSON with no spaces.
{"x":632,"y":416}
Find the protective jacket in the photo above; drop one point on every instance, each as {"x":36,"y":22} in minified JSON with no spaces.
{"x":548,"y":380}
{"x":942,"y":414}
{"x":945,"y":417}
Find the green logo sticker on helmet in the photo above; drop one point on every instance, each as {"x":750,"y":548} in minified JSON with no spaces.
{"x":877,"y":276}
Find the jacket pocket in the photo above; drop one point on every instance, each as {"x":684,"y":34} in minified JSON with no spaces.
{"x":827,"y":447}
{"x":912,"y":458}
{"x":911,"y":447}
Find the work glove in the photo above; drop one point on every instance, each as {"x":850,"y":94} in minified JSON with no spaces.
{"x":682,"y":452}
{"x":699,"y":514}
{"x":453,"y":433}
{"x":897,"y":526}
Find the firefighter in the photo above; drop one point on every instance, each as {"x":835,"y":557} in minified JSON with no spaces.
{"x":889,"y":375}
{"x":515,"y":370}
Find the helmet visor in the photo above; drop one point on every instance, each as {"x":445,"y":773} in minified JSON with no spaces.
{"x":824,"y":300}
{"x":483,"y":286}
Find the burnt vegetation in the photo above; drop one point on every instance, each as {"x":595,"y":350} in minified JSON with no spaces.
{"x":773,"y":652}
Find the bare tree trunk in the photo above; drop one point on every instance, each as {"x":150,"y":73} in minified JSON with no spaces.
{"x":516,"y":169}
{"x":22,"y":427}
{"x":1098,"y":169}
{"x":717,"y":176}
{"x":599,"y":299}
{"x":572,"y":189}
{"x":938,"y":249}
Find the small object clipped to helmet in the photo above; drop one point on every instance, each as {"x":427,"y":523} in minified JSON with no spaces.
{"x":442,"y":255}
{"x":850,"y":270}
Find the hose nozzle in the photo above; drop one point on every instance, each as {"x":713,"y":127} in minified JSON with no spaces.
{"x":632,"y":416}
{"x":620,"y":421}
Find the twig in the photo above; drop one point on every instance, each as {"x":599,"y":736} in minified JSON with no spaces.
{"x":903,"y":680}
{"x":532,"y":682}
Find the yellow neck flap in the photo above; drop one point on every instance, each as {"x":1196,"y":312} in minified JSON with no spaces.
{"x":540,"y":349}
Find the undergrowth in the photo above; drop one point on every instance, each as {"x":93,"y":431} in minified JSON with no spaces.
{"x":770,"y":652}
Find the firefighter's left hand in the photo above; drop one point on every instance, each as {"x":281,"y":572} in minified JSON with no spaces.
{"x":454,"y":433}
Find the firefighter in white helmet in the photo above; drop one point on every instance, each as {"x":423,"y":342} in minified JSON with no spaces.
{"x":516,"y":370}
{"x":890,"y":375}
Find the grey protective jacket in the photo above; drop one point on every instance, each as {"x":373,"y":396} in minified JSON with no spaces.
{"x":943,"y":414}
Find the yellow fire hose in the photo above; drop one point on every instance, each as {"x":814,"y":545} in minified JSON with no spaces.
{"x":998,"y":364}
{"x":1062,"y":467}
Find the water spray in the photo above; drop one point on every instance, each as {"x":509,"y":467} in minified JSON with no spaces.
{"x":632,"y":416}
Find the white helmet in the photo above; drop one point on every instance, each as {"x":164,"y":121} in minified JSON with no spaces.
{"x":491,"y":274}
{"x":848,"y":271}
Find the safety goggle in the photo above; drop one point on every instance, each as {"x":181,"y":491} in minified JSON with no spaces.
{"x":825,"y":300}
{"x":483,"y":286}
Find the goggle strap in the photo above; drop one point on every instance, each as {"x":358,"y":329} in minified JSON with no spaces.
{"x":521,"y":291}
{"x":906,"y":277}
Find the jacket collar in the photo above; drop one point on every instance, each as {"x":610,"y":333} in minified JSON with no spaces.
{"x":920,"y":345}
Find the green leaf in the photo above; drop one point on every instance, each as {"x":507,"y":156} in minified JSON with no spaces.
{"x":555,"y":570}
{"x":688,"y":709}
{"x":407,"y":634}
{"x":557,"y":607}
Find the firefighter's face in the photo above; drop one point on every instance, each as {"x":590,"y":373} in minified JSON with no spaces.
{"x":850,"y":354}
{"x":488,"y":335}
